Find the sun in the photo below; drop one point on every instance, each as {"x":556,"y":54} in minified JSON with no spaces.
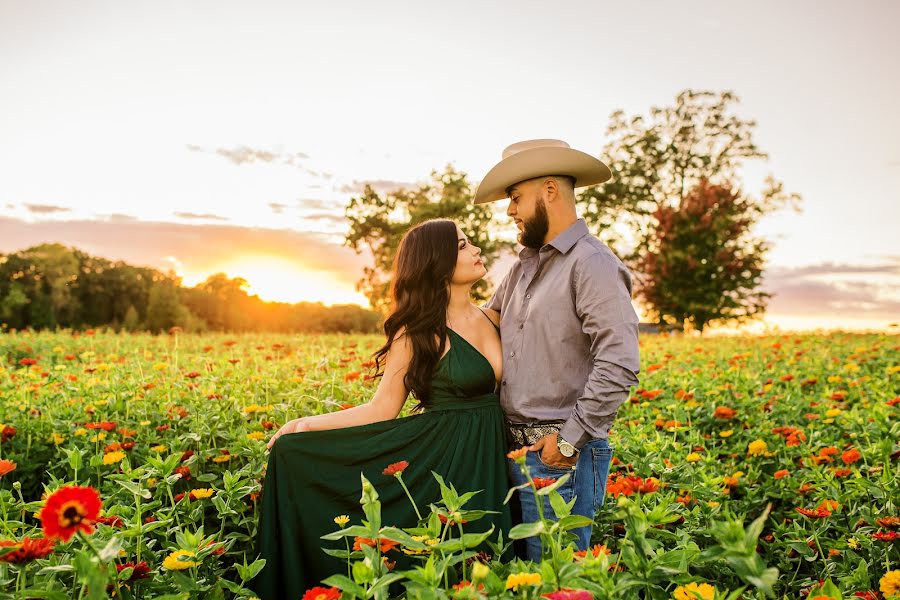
{"x":277,"y":279}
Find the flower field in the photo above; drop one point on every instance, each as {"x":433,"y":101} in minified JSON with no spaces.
{"x":131,"y":466}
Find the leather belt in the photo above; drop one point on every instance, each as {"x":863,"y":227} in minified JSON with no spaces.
{"x":526,"y":435}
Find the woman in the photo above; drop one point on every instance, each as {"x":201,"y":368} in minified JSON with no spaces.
{"x":442,"y":349}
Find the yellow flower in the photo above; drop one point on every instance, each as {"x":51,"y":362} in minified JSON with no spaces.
{"x":851,"y":367}
{"x":835,"y":379}
{"x":256,"y":436}
{"x":255,"y":408}
{"x":99,"y":437}
{"x":222,"y":458}
{"x":757,"y":448}
{"x":694,"y":591}
{"x":712,"y":504}
{"x":420,"y":538}
{"x":57,"y":438}
{"x":894,"y":369}
{"x":516,"y":579}
{"x":159,"y":448}
{"x":151,"y":481}
{"x":144,"y":423}
{"x":480,"y":571}
{"x":693,"y":457}
{"x":111,"y":458}
{"x":853,"y":543}
{"x":890,"y":584}
{"x":202,"y":493}
{"x":833,"y":412}
{"x":341,"y":520}
{"x":58,"y":349}
{"x":80,"y":431}
{"x":160,"y":367}
{"x":177,"y":560}
{"x":726,"y":433}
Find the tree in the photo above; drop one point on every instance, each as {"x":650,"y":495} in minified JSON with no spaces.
{"x":164,"y":309}
{"x":377,"y":223}
{"x":701,"y":264}
{"x":657,"y":163}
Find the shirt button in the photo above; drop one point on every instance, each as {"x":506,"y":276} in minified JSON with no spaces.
{"x":512,"y":354}
{"x":504,"y":382}
{"x":528,"y":295}
{"x":521,"y":325}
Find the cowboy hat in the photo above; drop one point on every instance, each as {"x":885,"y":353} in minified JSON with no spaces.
{"x":536,"y":158}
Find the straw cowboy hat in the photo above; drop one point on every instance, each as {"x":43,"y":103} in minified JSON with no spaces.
{"x":536,"y":158}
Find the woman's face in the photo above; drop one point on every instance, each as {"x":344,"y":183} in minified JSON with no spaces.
{"x":469,"y":267}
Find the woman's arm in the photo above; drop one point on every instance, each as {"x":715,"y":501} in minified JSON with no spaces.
{"x":384,"y":405}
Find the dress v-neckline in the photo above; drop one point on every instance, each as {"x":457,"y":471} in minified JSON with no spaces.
{"x":472,"y":346}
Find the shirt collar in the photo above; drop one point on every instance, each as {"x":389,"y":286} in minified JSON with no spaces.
{"x":562,"y":242}
{"x":574,"y":232}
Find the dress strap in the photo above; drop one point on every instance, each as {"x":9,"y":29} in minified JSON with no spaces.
{"x":489,"y":319}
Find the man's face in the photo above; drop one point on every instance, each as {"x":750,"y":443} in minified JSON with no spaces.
{"x":527,"y":209}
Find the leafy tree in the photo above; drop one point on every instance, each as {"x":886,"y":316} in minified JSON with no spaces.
{"x":164,"y":308}
{"x":658,"y":163}
{"x":378,"y":222}
{"x":701,"y":264}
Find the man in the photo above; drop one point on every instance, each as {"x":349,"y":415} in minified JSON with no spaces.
{"x":569,"y":331}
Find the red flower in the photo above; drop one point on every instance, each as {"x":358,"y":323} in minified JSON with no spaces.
{"x":7,"y":433}
{"x":386,"y":544}
{"x":866,"y":595}
{"x":140,"y":570}
{"x":322,"y":593}
{"x":889,"y":522}
{"x":112,"y":521}
{"x":565,"y":594}
{"x":184,"y":471}
{"x":352,"y":376}
{"x":781,"y":473}
{"x":443,"y":520}
{"x":104,"y":425}
{"x":6,"y":466}
{"x":595,"y":550}
{"x":68,"y":510}
{"x":542,"y":482}
{"x":192,"y":375}
{"x":850,"y":456}
{"x":396,"y":468}
{"x":27,"y":362}
{"x":723,"y":412}
{"x":27,"y":550}
{"x":886,"y":536}
{"x":815,"y":513}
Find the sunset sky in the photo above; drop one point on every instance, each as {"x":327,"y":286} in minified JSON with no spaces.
{"x":229,"y":136}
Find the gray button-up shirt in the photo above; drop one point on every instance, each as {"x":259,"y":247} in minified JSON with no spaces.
{"x":569,"y":334}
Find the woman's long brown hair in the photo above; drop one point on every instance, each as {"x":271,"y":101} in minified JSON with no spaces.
{"x":420,"y":295}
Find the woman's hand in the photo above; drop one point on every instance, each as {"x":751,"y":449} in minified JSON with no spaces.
{"x":293,"y":426}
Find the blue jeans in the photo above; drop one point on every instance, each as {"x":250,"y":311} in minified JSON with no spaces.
{"x":587,"y":482}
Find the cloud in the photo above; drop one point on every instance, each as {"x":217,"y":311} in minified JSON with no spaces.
{"x":243,"y":155}
{"x":277,"y":208}
{"x":382,"y":186}
{"x":801,"y":291}
{"x":45,"y":209}
{"x":208,"y":216}
{"x":201,"y":248}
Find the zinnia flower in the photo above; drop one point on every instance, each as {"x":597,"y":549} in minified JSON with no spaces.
{"x":322,"y":593}
{"x":396,"y":468}
{"x":140,"y":570}
{"x":518,"y":455}
{"x":111,"y":458}
{"x":542,"y":482}
{"x":850,"y":456}
{"x":890,"y":584}
{"x":757,"y":448}
{"x":516,"y":579}
{"x":341,"y":520}
{"x":6,"y":466}
{"x":69,"y":510}
{"x":179,"y":560}
{"x":566,"y":594}
{"x":27,"y":550}
{"x":694,"y":591}
{"x":781,"y":473}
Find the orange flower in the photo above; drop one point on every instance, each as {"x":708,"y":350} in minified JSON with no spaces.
{"x":889,"y":522}
{"x":27,"y":550}
{"x":322,"y":593}
{"x":68,"y":510}
{"x":781,"y":474}
{"x":595,"y":550}
{"x":385,"y":544}
{"x":542,"y":482}
{"x":6,"y":466}
{"x":723,"y":412}
{"x":850,"y":456}
{"x":517,"y":454}
{"x":817,"y":513}
{"x":396,"y":468}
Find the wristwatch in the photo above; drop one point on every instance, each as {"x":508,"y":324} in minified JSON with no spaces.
{"x":565,"y":448}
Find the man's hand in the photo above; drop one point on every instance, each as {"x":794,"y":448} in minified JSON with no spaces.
{"x":550,"y":453}
{"x":293,"y":426}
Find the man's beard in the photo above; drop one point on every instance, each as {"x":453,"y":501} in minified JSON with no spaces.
{"x":535,"y":229}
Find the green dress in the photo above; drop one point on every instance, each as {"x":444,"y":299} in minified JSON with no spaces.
{"x":312,"y":477}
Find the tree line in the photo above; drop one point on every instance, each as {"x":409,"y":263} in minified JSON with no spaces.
{"x":52,"y":286}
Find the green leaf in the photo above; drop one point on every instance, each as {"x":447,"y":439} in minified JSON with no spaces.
{"x":526,"y":530}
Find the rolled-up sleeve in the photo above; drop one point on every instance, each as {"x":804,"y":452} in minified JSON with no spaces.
{"x":602,"y":288}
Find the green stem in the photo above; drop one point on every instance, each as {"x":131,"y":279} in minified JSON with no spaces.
{"x":399,"y":477}
{"x":100,"y":560}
